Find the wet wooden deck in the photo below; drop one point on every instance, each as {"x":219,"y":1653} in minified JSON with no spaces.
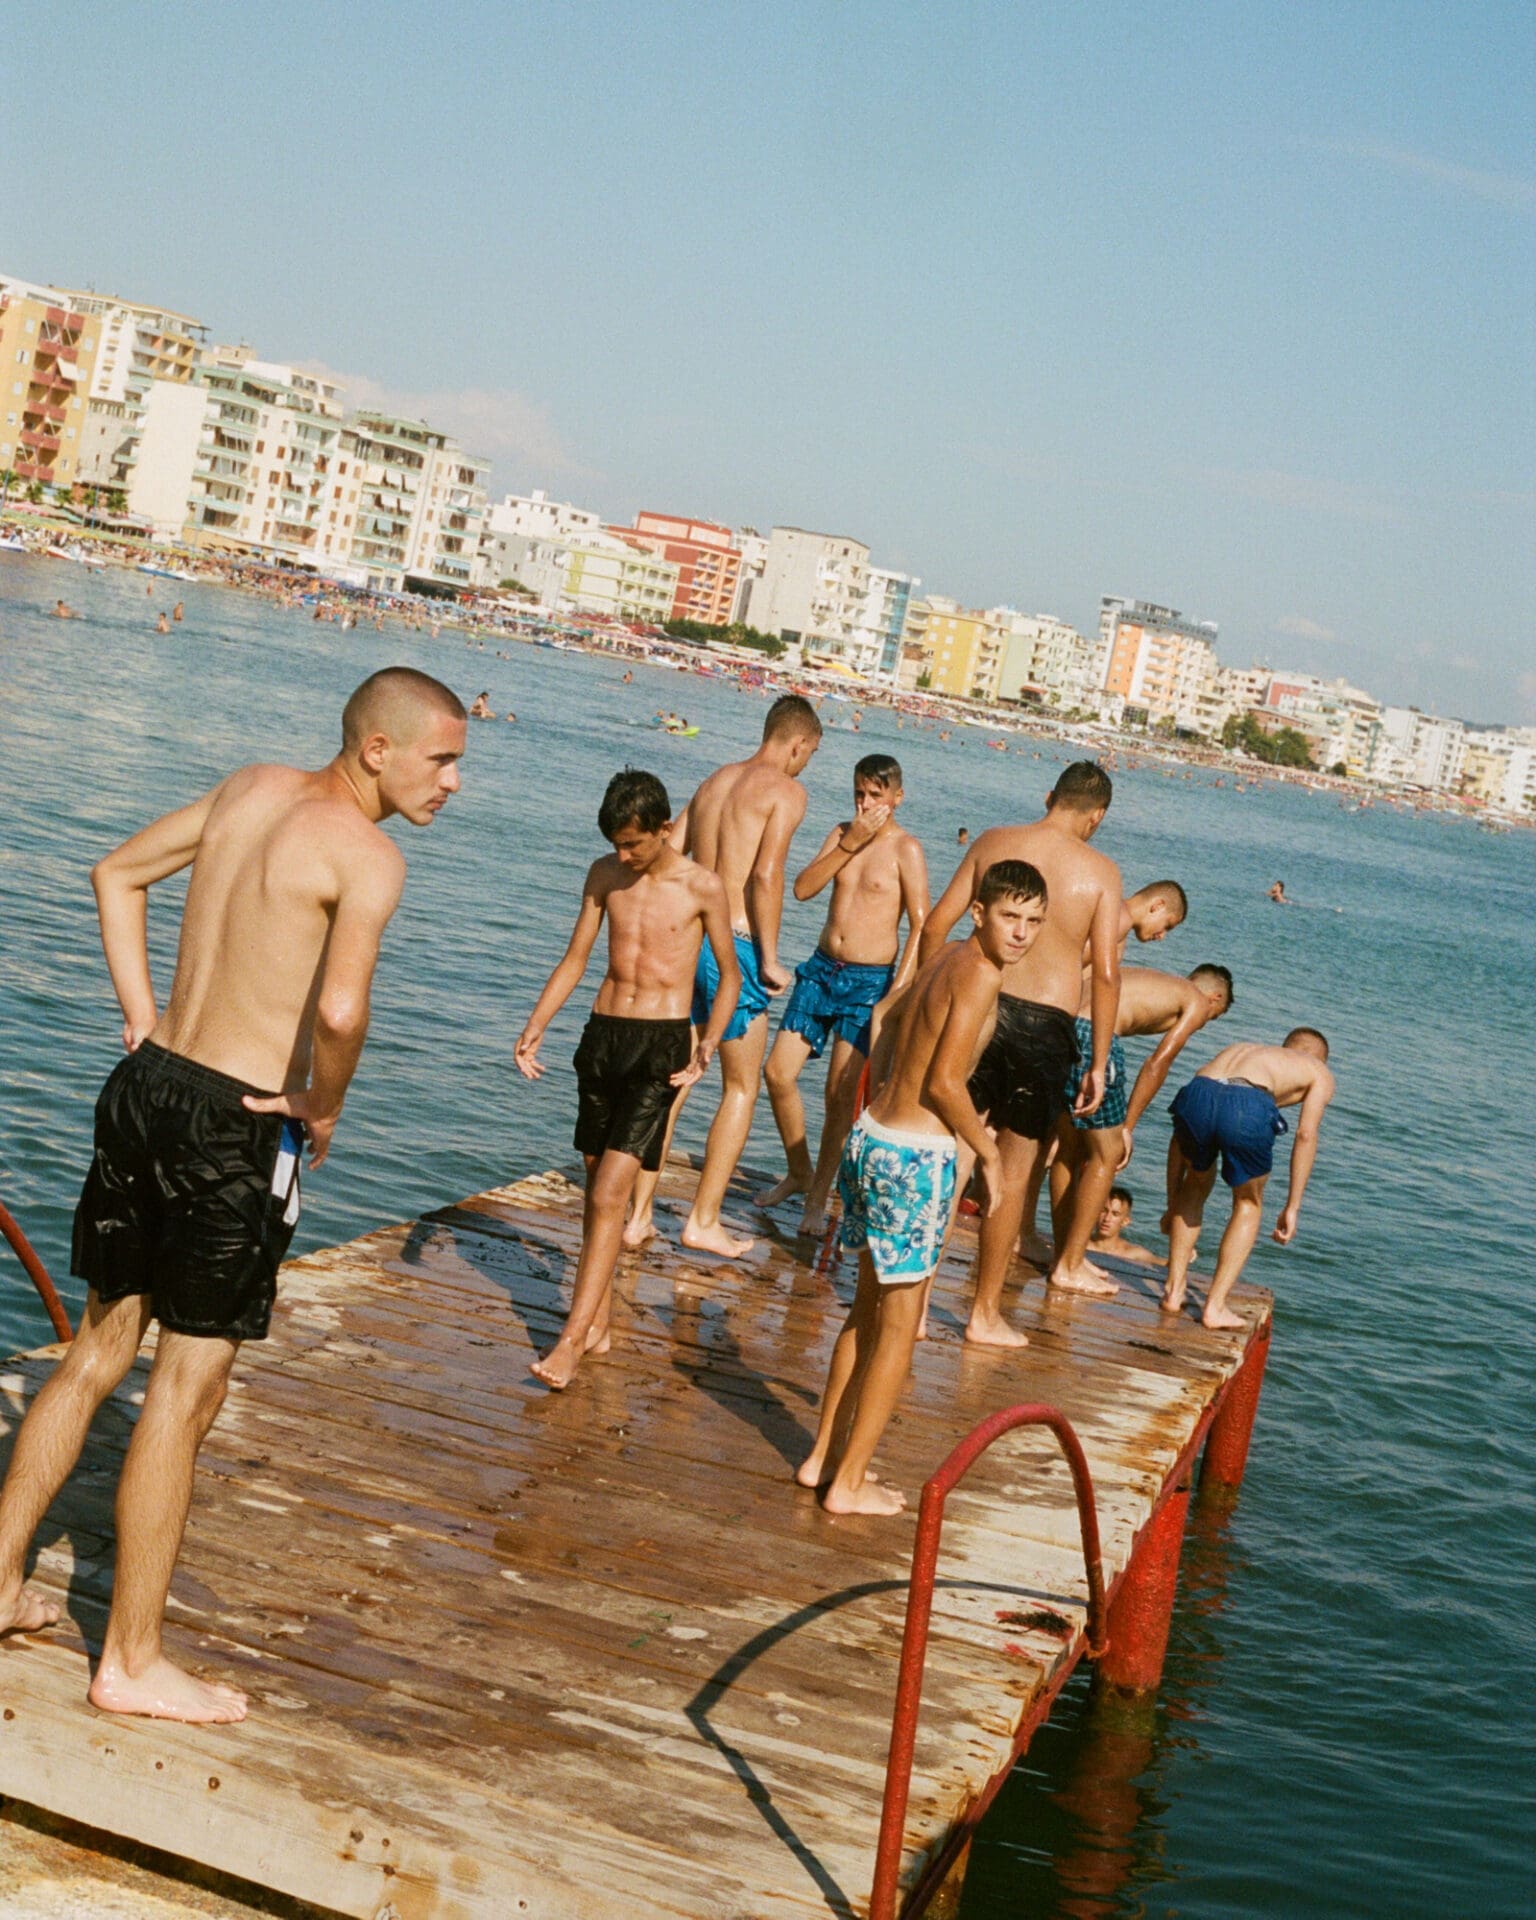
{"x":588,"y":1655}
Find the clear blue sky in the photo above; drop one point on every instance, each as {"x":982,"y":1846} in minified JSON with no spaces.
{"x":1227,"y":306}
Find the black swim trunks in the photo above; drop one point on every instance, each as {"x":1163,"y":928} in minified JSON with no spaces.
{"x":191,"y":1197}
{"x":1020,"y":1081}
{"x":624,"y":1088}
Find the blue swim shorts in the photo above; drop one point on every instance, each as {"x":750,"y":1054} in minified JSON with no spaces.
{"x":706,"y":984}
{"x":897,"y":1189}
{"x":1111,"y":1110}
{"x":1232,"y":1118}
{"x":834,"y":996}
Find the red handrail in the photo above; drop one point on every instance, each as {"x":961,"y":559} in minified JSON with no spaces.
{"x":914,"y":1641}
{"x":21,"y":1246}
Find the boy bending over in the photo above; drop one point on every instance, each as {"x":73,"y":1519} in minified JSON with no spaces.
{"x":1232,"y":1107}
{"x":897,"y":1178}
{"x":878,"y":874}
{"x":637,"y":1052}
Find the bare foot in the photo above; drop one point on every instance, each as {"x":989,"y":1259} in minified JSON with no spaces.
{"x":27,"y":1611}
{"x":638,"y":1231}
{"x":164,"y":1692}
{"x":1036,"y":1249}
{"x":599,"y":1340}
{"x":776,"y":1195}
{"x":716,"y":1239}
{"x":1221,"y":1321}
{"x":869,"y":1498}
{"x":812,"y":1472}
{"x":557,"y":1366}
{"x":993,"y":1331}
{"x":813,"y":1226}
{"x":1171,"y":1302}
{"x":1086,"y":1278}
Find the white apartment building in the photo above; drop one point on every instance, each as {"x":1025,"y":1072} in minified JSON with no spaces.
{"x":535,"y":516}
{"x":753,"y":548}
{"x":874,"y":643}
{"x":1159,"y":662}
{"x":609,"y":576}
{"x":1434,"y":749}
{"x":1045,"y":656}
{"x":420,"y":507}
{"x":812,"y":591}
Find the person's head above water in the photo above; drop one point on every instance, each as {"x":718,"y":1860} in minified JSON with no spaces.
{"x":1082,"y":791}
{"x":791,"y":726}
{"x":1115,"y":1216}
{"x":402,"y":736}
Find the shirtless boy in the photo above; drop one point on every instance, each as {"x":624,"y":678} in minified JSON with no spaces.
{"x":1020,"y":1081}
{"x":1232,"y":1107}
{"x":637,"y":1053}
{"x":1109,"y":1235}
{"x":878,"y":874}
{"x":1094,"y":1147}
{"x":897,"y":1177}
{"x":192,"y":1196}
{"x":740,"y":824}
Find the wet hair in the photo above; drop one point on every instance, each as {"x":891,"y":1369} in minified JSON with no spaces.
{"x":1171,"y":894}
{"x":382,"y":702}
{"x":1306,"y":1033}
{"x":633,"y":799}
{"x":1208,"y":970}
{"x":789,"y":715}
{"x":879,"y":767}
{"x":1011,"y":880}
{"x":1082,"y":787}
{"x":1123,"y":1195}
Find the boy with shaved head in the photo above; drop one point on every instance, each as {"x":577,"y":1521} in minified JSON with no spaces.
{"x":193,"y":1191}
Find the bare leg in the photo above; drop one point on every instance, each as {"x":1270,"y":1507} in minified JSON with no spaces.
{"x":641,"y":1227}
{"x":1033,"y":1245}
{"x":813,"y":1469}
{"x":998,"y":1236}
{"x":50,"y":1440}
{"x":1232,"y":1255}
{"x":1184,"y":1217}
{"x":741,"y":1067}
{"x":1177,"y":1167}
{"x":186,"y":1389}
{"x":965,"y":1166}
{"x":789,"y":1055}
{"x":1074,"y":1272}
{"x":885,"y":1336}
{"x":841,"y":1097}
{"x":610,"y":1182}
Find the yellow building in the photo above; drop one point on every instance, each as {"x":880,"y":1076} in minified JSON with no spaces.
{"x":964,"y":648}
{"x":47,"y":358}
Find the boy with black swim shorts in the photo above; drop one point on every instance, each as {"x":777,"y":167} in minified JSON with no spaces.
{"x":898,"y":1178}
{"x":637,"y":1053}
{"x":1231,"y":1109}
{"x":193,"y":1189}
{"x":878,"y":874}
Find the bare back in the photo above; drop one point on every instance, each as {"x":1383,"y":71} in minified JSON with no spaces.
{"x":1286,"y":1072}
{"x":1081,"y":883}
{"x":1150,"y":1001}
{"x":740,"y":812}
{"x":278,"y":851}
{"x":918,"y":1025}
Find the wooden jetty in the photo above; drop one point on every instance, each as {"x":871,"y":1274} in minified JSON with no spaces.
{"x":593,"y":1655}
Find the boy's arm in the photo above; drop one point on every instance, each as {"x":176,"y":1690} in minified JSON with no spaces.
{"x":1104,"y":992}
{"x":973,"y":995}
{"x":565,"y":979}
{"x":913,"y":871}
{"x":678,"y":837}
{"x":369,"y":895}
{"x":121,"y":881}
{"x":1304,"y":1152}
{"x":716,"y":910}
{"x":954,"y":900}
{"x":1155,"y":1068}
{"x":836,"y":852}
{"x":765,"y":884}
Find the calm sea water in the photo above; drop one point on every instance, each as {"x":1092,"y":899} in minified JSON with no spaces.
{"x":1347,"y":1719}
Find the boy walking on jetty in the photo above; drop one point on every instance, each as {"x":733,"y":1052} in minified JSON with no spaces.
{"x":878,"y":874}
{"x":638,"y":1052}
{"x":1020,"y":1081}
{"x":740,"y":824}
{"x":1094,"y":1147}
{"x":193,"y":1192}
{"x":897,"y":1178}
{"x":1232,"y":1107}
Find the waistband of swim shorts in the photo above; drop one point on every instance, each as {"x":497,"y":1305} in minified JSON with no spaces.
{"x":942,"y":1145}
{"x":166,"y":1065}
{"x":638,"y":1023}
{"x":851,"y":966}
{"x":1035,"y":1013}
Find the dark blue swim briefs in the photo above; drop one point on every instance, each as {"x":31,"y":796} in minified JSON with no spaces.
{"x":1236,"y":1120}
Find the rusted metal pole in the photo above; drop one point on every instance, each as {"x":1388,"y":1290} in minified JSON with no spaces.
{"x":1141,"y":1613}
{"x":1226,"y":1446}
{"x":914,"y":1645}
{"x":21,"y":1246}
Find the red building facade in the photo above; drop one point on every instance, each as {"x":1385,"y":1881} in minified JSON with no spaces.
{"x":707,"y":561}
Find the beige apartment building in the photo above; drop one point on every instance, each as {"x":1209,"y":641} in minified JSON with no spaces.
{"x":1160,"y":663}
{"x":47,"y":359}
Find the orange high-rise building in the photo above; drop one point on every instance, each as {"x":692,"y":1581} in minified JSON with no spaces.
{"x":47,"y":354}
{"x":707,"y":561}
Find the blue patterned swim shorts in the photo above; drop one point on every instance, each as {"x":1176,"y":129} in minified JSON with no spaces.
{"x":1112,"y":1109}
{"x":897,"y":1189}
{"x":834,"y":996}
{"x":706,"y":984}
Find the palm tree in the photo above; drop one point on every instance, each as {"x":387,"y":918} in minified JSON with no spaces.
{"x":117,"y":500}
{"x":35,"y":493}
{"x":7,"y":481}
